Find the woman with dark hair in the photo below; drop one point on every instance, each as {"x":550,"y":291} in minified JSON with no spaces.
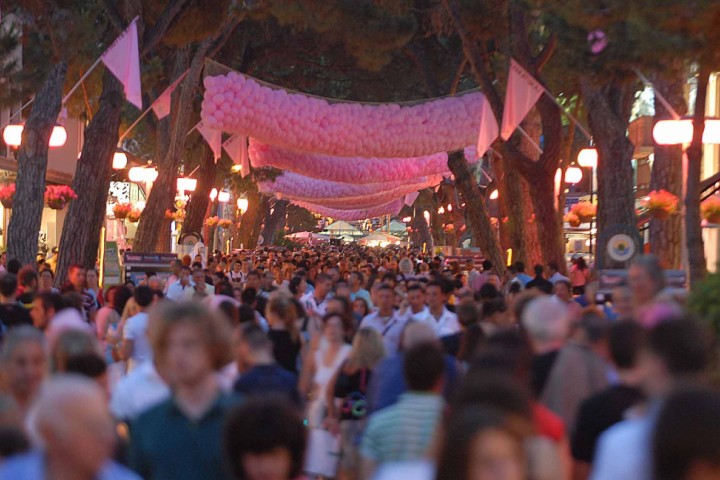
{"x":282,"y":315}
{"x":264,"y":439}
{"x":298,"y":286}
{"x":579,"y":275}
{"x":482,"y":444}
{"x":360,"y":307}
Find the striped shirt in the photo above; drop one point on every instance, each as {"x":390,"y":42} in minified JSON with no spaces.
{"x":403,"y":431}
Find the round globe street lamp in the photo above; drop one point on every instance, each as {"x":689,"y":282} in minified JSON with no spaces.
{"x":242,"y":205}
{"x":12,"y":135}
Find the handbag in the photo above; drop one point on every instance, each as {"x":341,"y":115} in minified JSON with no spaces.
{"x":323,"y":453}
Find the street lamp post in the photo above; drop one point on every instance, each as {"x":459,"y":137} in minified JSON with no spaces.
{"x":588,"y":158}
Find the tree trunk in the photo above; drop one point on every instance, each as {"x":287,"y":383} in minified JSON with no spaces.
{"x":547,"y":221}
{"x":510,"y":186}
{"x":162,"y":196}
{"x":693,"y":229}
{"x":32,"y":164}
{"x":482,"y":230}
{"x":533,"y":248}
{"x":274,"y":221}
{"x":83,"y":223}
{"x":608,"y":107}
{"x":245,"y":238}
{"x":666,"y":235}
{"x":197,"y":206}
{"x":421,"y":230}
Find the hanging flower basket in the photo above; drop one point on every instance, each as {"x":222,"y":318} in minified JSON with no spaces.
{"x":134,"y":215}
{"x":58,"y":196}
{"x":211,"y":221}
{"x":573,"y":220}
{"x":585,"y":211}
{"x":122,"y":210}
{"x":710,"y":209}
{"x":225,"y":223}
{"x":7,"y":194}
{"x":661,"y":204}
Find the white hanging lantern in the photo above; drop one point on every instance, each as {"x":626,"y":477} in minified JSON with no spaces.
{"x":588,"y":157}
{"x":12,"y":135}
{"x":120,"y":160}
{"x":223,"y":197}
{"x":186,"y":184}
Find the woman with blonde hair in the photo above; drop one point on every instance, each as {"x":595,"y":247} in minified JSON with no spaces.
{"x":346,"y":397}
{"x":282,"y":315}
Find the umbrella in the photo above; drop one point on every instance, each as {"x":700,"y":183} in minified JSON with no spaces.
{"x":343,"y":228}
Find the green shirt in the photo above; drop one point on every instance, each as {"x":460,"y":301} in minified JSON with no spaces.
{"x":167,"y":445}
{"x":404,"y":431}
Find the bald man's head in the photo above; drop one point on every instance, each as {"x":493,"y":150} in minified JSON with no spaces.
{"x":74,"y":424}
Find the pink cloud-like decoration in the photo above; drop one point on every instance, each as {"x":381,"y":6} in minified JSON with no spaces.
{"x":324,"y":192}
{"x":347,"y":169}
{"x":235,"y":103}
{"x":391,"y":208}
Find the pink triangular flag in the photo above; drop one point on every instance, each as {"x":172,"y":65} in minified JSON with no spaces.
{"x":123,"y":60}
{"x":161,"y":105}
{"x":488,"y":129}
{"x":212,"y":137}
{"x":410,"y":198}
{"x":237,"y":148}
{"x":522,"y":93}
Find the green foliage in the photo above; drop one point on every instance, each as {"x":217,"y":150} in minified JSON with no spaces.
{"x":705,"y":302}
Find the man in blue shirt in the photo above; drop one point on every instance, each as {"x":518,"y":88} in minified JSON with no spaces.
{"x":520,"y":273}
{"x":180,"y":438}
{"x":78,"y":435}
{"x":261,"y":375}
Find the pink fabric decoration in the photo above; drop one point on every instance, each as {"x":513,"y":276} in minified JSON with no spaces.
{"x":123,"y":60}
{"x":488,"y":129}
{"x":389,"y":208}
{"x":347,"y":169}
{"x":161,"y":105}
{"x":237,"y":148}
{"x":522,"y":94}
{"x":410,"y":198}
{"x":598,"y":41}
{"x":212,"y":137}
{"x":299,"y":187}
{"x":238,"y":104}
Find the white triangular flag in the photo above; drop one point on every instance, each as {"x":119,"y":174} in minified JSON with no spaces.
{"x":522,"y":93}
{"x":212,"y":137}
{"x":488,"y":129}
{"x":237,"y":148}
{"x":161,"y":105}
{"x":123,"y":60}
{"x":410,"y":198}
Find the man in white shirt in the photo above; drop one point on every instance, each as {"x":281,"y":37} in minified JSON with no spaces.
{"x":444,"y":321}
{"x":138,"y":391}
{"x":135,"y":347}
{"x":388,"y":323}
{"x":315,"y":302}
{"x":417,"y":310}
{"x":177,"y":289}
{"x":200,"y":290}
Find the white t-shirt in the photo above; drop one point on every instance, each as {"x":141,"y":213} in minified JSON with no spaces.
{"x":136,"y":330}
{"x":447,"y":324}
{"x":138,"y":391}
{"x":390,"y":328}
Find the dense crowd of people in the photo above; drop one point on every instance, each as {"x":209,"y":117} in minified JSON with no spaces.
{"x":353,"y":363}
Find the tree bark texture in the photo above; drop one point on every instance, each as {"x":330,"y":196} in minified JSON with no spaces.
{"x":197,"y":206}
{"x":162,"y":196}
{"x":533,"y":247}
{"x":510,"y":195}
{"x":32,"y":163}
{"x":693,"y":229}
{"x":609,"y":107}
{"x":421,"y":230}
{"x":245,"y":237}
{"x":274,"y":221}
{"x":483,"y":232}
{"x":81,"y":232}
{"x":666,"y":235}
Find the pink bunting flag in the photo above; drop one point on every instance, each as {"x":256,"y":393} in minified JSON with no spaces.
{"x":522,"y":93}
{"x":237,"y":148}
{"x":410,"y":198}
{"x":123,"y":60}
{"x":212,"y":137}
{"x":488,"y":129}
{"x":161,"y":105}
